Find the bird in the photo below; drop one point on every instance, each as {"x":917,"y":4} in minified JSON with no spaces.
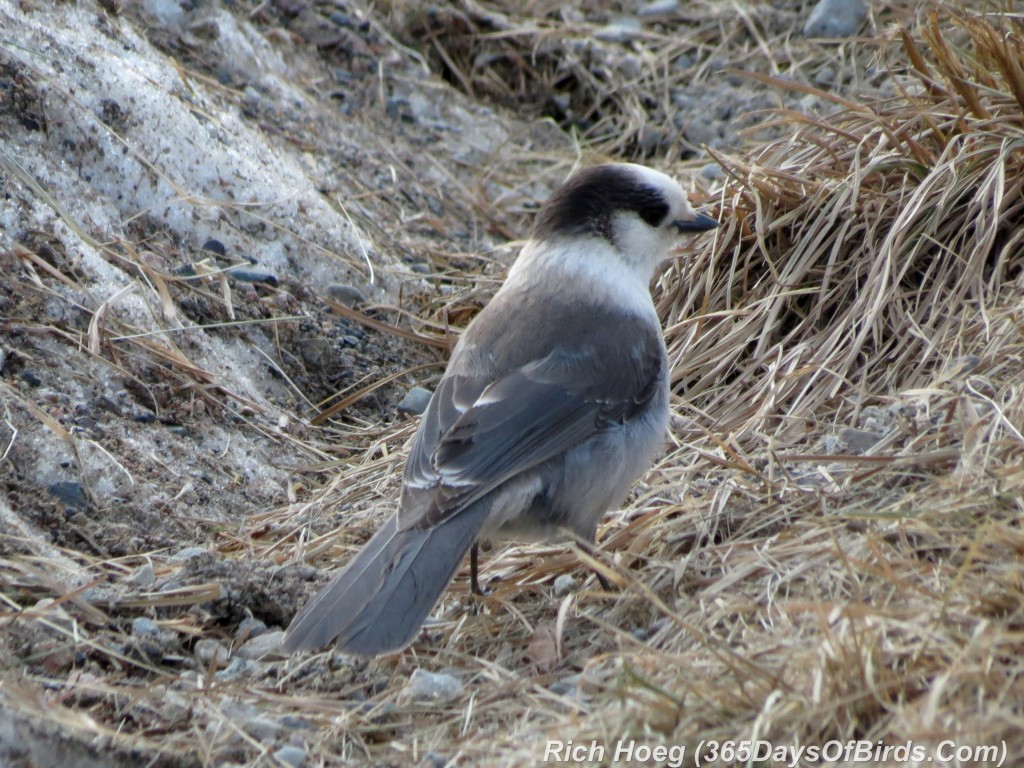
{"x":555,"y":399}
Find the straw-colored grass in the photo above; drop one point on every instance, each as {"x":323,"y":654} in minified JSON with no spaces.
{"x":831,"y":548}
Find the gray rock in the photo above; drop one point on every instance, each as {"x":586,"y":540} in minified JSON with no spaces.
{"x":565,"y":584}
{"x":700,"y":131}
{"x":415,"y":401}
{"x":858,"y":440}
{"x":630,"y":66}
{"x":169,"y":13}
{"x":315,"y":351}
{"x":249,"y":276}
{"x":831,"y":445}
{"x":619,"y":31}
{"x":143,"y":577}
{"x":209,"y":650}
{"x":71,"y":494}
{"x":658,"y":8}
{"x":348,"y":295}
{"x":825,"y":77}
{"x":262,"y":728}
{"x":565,"y":687}
{"x":293,"y":756}
{"x":249,"y":628}
{"x":712,"y":171}
{"x":263,"y":645}
{"x":835,"y":18}
{"x":432,"y":686}
{"x":651,"y":139}
{"x":143,"y":627}
{"x":188,"y":553}
{"x":683,"y":61}
{"x":809,"y":104}
{"x":238,"y":668}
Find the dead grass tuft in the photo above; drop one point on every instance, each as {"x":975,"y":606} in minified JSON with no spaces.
{"x":629,"y":83}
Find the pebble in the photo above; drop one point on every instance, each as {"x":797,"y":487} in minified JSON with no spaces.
{"x":262,"y":645}
{"x":712,"y":171}
{"x":249,"y":628}
{"x":188,"y":553}
{"x":173,"y":705}
{"x":293,"y":756}
{"x":168,"y":13}
{"x":262,"y":728}
{"x":398,"y":108}
{"x":809,"y":104}
{"x":143,"y":577}
{"x":238,"y":667}
{"x":432,"y":686}
{"x":315,"y":351}
{"x":825,"y":77}
{"x":348,"y":295}
{"x":566,"y":687}
{"x":858,"y":440}
{"x":415,"y":401}
{"x":700,"y":132}
{"x":143,"y":627}
{"x":683,"y":61}
{"x":630,"y":66}
{"x":658,"y":8}
{"x":70,"y":494}
{"x":207,"y":650}
{"x":651,"y":139}
{"x":30,"y":378}
{"x":215,"y":246}
{"x":619,"y":31}
{"x":835,"y":18}
{"x":565,"y":584}
{"x":248,"y":276}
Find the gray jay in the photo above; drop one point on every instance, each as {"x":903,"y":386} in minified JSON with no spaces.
{"x":555,"y":400}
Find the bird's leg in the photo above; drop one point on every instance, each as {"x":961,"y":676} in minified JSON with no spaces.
{"x":474,"y":570}
{"x":589,"y":548}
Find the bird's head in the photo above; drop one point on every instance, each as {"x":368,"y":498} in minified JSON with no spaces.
{"x":636,"y":210}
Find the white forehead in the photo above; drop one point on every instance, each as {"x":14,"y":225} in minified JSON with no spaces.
{"x":672,"y":191}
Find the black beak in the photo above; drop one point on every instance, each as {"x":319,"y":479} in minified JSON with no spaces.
{"x":701,"y":223}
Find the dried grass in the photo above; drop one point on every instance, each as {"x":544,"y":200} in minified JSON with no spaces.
{"x":628,"y":83}
{"x":831,"y":549}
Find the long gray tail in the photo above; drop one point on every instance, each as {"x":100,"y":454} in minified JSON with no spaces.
{"x":379,"y":601}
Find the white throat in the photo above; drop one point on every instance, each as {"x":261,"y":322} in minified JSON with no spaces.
{"x":591,"y":266}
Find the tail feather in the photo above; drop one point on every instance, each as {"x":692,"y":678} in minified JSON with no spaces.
{"x":380,"y":600}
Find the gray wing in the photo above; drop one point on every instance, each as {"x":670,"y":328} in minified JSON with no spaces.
{"x":476,"y":434}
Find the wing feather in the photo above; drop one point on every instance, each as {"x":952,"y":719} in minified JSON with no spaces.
{"x":523,"y":418}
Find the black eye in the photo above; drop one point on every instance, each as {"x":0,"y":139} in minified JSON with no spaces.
{"x":652,"y":209}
